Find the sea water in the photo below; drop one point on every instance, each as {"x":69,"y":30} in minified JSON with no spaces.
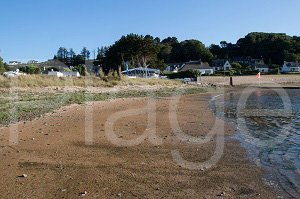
{"x":268,"y":126}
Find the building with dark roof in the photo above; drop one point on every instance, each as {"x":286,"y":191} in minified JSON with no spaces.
{"x":221,"y":64}
{"x":202,"y":67}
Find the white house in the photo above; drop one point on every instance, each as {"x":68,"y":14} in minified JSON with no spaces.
{"x":262,"y":68}
{"x":63,"y":74}
{"x":290,"y":67}
{"x":174,"y":67}
{"x":13,"y":63}
{"x":55,"y":73}
{"x":71,"y":74}
{"x":32,"y":62}
{"x":142,"y":72}
{"x":200,"y":66}
{"x":221,"y":64}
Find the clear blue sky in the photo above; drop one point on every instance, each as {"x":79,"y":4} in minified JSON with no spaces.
{"x":35,"y":29}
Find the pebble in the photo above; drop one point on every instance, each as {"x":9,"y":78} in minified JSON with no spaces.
{"x":222,"y":194}
{"x":83,"y":194}
{"x":119,"y":195}
{"x":23,"y":176}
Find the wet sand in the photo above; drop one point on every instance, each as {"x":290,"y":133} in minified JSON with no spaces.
{"x":52,"y":152}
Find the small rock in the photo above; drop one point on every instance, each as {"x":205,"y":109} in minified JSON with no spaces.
{"x":83,"y":194}
{"x":157,"y":189}
{"x":23,"y":176}
{"x":222,"y":194}
{"x":63,"y":190}
{"x":119,"y":195}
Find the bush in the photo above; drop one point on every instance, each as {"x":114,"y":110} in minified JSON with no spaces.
{"x":250,"y":72}
{"x":183,"y":74}
{"x":81,"y":69}
{"x":2,"y":67}
{"x":30,"y":69}
{"x":236,"y":66}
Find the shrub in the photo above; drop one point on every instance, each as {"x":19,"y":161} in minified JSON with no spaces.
{"x":183,"y":74}
{"x":30,"y":69}
{"x":81,"y":69}
{"x":2,"y":67}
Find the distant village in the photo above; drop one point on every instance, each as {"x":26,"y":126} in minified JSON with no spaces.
{"x":220,"y":67}
{"x":136,"y":55}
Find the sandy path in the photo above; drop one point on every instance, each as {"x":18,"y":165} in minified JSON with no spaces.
{"x":51,"y":150}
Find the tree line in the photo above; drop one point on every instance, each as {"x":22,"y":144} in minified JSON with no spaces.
{"x":273,"y":48}
{"x":148,"y":51}
{"x":70,"y":58}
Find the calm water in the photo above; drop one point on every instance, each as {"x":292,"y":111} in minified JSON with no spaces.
{"x":268,"y":125}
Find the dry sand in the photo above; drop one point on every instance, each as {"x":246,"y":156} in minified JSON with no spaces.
{"x":51,"y":151}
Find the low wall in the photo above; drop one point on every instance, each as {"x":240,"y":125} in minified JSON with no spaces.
{"x":248,"y":80}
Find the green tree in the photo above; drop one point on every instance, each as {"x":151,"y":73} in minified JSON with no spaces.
{"x":165,"y":53}
{"x":71,"y":54}
{"x":62,"y":54}
{"x":171,"y":41}
{"x":135,"y":49}
{"x":195,"y":50}
{"x":31,"y":69}
{"x":276,"y":47}
{"x":81,"y":69}
{"x":85,"y":53}
{"x":78,"y":60}
{"x":2,"y":67}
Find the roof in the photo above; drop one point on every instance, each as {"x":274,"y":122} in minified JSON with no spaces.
{"x":261,"y":66}
{"x":142,"y":69}
{"x":195,"y":65}
{"x":219,"y":62}
{"x":292,"y":64}
{"x":53,"y":63}
{"x":175,"y":64}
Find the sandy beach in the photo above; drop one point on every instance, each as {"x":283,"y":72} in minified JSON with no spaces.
{"x":52,"y":152}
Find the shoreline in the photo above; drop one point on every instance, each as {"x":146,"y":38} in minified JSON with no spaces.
{"x":234,"y":175}
{"x":271,"y":175}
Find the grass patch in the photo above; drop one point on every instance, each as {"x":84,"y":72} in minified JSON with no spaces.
{"x":27,"y":106}
{"x":32,"y":81}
